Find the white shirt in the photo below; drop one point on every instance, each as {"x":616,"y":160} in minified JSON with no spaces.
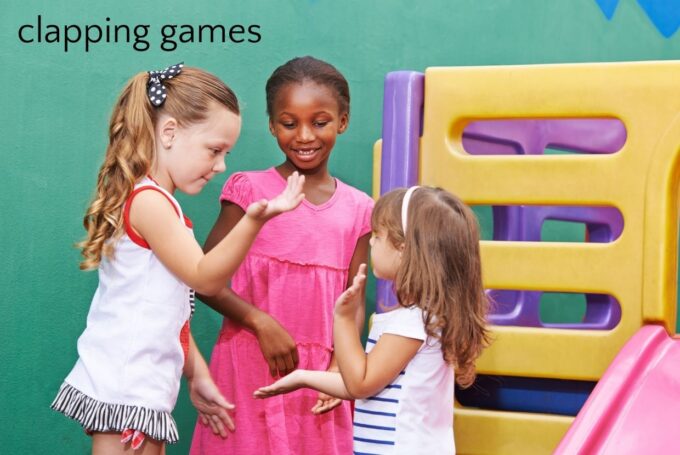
{"x":130,"y":352}
{"x":414,"y":413}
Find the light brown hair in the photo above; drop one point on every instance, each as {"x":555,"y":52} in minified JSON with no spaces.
{"x":131,"y":150}
{"x":440,"y":271}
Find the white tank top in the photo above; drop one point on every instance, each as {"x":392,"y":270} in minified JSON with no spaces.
{"x":130,"y":351}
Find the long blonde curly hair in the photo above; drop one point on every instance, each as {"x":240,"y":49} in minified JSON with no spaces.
{"x":440,"y":271}
{"x":131,"y":150}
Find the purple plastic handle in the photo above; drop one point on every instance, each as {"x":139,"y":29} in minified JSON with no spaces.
{"x":402,"y":113}
{"x":523,"y":223}
{"x":532,"y":137}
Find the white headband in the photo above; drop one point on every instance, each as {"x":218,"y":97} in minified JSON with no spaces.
{"x":404,"y":207}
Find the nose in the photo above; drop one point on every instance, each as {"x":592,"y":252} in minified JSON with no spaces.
{"x":220,"y":166}
{"x":305,"y":134}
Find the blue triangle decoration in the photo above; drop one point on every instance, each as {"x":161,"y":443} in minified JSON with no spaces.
{"x":664,"y":14}
{"x":608,"y":7}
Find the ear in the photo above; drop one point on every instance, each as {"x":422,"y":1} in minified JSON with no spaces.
{"x":271,"y":128}
{"x":344,"y":122}
{"x":167,"y":128}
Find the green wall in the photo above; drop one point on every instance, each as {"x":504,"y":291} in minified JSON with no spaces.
{"x":55,"y":107}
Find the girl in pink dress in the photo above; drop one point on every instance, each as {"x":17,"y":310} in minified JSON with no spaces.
{"x":279,"y":309}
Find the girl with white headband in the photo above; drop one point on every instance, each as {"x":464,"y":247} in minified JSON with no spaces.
{"x":426,"y":241}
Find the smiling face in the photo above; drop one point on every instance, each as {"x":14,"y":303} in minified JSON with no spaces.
{"x":189,"y":156}
{"x":306,"y":120}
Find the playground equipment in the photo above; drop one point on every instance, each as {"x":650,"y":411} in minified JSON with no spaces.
{"x":481,"y":132}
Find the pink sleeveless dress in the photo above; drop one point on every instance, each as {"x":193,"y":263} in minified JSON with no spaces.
{"x":297,"y":267}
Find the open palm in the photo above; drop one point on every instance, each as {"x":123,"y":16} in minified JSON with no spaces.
{"x":287,"y":200}
{"x":348,"y":302}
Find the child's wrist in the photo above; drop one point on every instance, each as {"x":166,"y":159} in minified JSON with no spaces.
{"x":299,"y":378}
{"x":257,"y":221}
{"x":254,"y":320}
{"x":344,"y":315}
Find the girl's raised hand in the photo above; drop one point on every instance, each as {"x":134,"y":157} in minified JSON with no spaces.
{"x":289,"y":198}
{"x":346,"y":305}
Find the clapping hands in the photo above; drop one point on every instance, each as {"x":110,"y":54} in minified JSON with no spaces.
{"x":287,"y":200}
{"x":347,"y":304}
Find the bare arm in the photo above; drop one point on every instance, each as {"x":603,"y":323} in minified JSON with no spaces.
{"x":372,"y":373}
{"x":359,"y":257}
{"x":277,"y":346}
{"x":212,"y":407}
{"x":362,"y":375}
{"x":326,"y":402}
{"x":153,"y":217}
{"x":327,"y":382}
{"x":365,"y":375}
{"x":226,"y":301}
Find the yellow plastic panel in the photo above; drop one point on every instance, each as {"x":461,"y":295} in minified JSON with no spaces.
{"x":377,"y":165}
{"x":642,"y":95}
{"x":483,"y":432}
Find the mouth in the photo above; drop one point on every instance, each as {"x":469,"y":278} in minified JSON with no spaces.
{"x":306,"y":153}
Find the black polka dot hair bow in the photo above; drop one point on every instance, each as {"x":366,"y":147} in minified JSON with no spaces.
{"x":155,"y":88}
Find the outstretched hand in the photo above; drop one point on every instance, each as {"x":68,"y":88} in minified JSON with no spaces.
{"x":212,"y":407}
{"x":287,"y":200}
{"x":347,"y":304}
{"x":288,"y":383}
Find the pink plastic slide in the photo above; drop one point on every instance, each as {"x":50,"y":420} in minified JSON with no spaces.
{"x":635,"y":407}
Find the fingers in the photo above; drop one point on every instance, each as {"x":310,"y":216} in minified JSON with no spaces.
{"x":217,"y":426}
{"x":356,"y":286}
{"x":264,"y":392}
{"x":323,"y":406}
{"x":223,"y":403}
{"x":226,"y":420}
{"x":208,"y":421}
{"x":268,"y":391}
{"x":290,"y":364}
{"x":296,"y":359}
{"x":281,"y":366}
{"x":271,"y":362}
{"x":317,"y":406}
{"x":360,"y":276}
{"x":296,"y":181}
{"x":218,"y":422}
{"x":295,"y":184}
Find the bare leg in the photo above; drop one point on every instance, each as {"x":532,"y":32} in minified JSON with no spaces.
{"x":109,"y":444}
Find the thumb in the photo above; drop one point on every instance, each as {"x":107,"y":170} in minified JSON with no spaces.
{"x":258,"y":207}
{"x":345,"y":296}
{"x":222,"y":402}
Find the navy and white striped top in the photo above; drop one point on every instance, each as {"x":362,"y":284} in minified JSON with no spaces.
{"x":414,"y":413}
